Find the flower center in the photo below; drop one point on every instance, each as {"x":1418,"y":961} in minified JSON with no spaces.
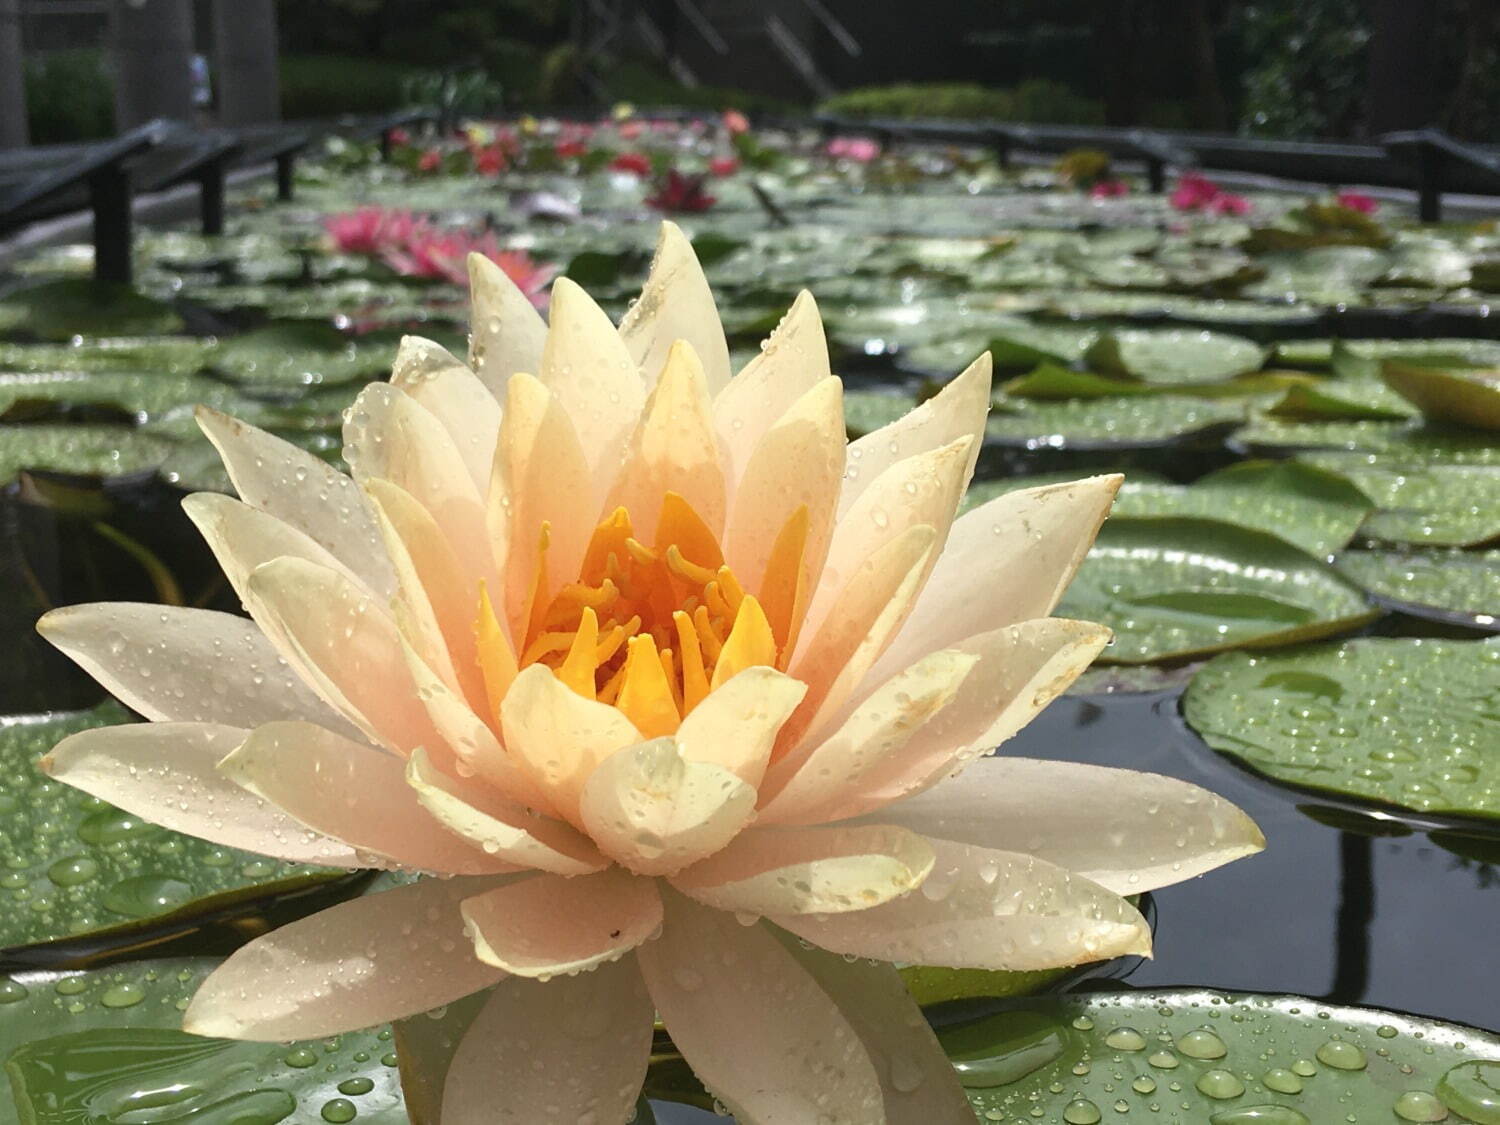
{"x":653,"y":629}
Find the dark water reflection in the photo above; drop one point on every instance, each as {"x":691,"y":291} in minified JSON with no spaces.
{"x":1393,"y":921}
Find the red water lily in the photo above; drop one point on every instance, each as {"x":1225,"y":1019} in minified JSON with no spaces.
{"x":678,"y":192}
{"x":636,"y":163}
{"x":369,"y":230}
{"x":1356,"y":201}
{"x":1196,"y":192}
{"x":723,"y":166}
{"x":1109,"y":189}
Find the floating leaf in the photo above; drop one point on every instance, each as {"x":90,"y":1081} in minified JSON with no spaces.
{"x":1177,"y":587}
{"x":1403,"y":721}
{"x":1458,"y":587}
{"x":1462,"y":396}
{"x":1432,"y":504}
{"x":1025,"y":344}
{"x":303,"y":353}
{"x":142,"y":396}
{"x":1175,"y":355}
{"x":76,"y":866}
{"x":1436,"y":443}
{"x":96,"y":451}
{"x":1340,"y":402}
{"x":865,"y":411}
{"x":1104,"y":424}
{"x":60,"y":310}
{"x":1309,"y":508}
{"x":1197,"y":1057}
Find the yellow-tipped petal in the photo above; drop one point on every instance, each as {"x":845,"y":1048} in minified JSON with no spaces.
{"x":645,"y":695}
{"x":750,"y":643}
{"x":496,"y":659}
{"x":577,"y":669}
{"x":782,"y":590}
{"x":694,"y":676}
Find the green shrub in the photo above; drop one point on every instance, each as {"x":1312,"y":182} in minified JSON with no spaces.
{"x":1038,"y":100}
{"x":326,"y":85}
{"x":69,"y":96}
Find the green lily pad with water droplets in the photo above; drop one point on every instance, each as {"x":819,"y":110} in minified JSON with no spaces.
{"x":1408,"y":722}
{"x":866,"y":411}
{"x":1455,"y":587}
{"x":1422,"y":503}
{"x":1309,"y":508}
{"x":1198,"y":1057}
{"x":176,"y":355}
{"x":1338,"y":402}
{"x":59,"y":310}
{"x":1448,"y":445}
{"x":1175,"y":587}
{"x":90,"y":451}
{"x":1462,"y":396}
{"x":138,"y":395}
{"x":1025,"y":344}
{"x":1144,"y":422}
{"x":73,"y":867}
{"x":1175,"y":356}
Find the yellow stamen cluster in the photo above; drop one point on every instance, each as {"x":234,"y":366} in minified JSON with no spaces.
{"x":653,"y":629}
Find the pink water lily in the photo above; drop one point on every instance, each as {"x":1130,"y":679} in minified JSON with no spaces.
{"x":369,"y":230}
{"x":688,"y":697}
{"x":1357,"y":201}
{"x":861,"y":150}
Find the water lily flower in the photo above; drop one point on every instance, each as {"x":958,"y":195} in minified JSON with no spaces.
{"x":1229,"y":203}
{"x":430,"y":161}
{"x":636,"y":163}
{"x":677,"y":192}
{"x":861,"y":150}
{"x":688,"y":697}
{"x":1109,"y":189}
{"x":630,"y":130}
{"x":439,"y":255}
{"x":369,"y":230}
{"x":490,"y":160}
{"x":1356,"y":201}
{"x":735,"y":122}
{"x":723,"y":166}
{"x":1193,"y":192}
{"x":570,"y":148}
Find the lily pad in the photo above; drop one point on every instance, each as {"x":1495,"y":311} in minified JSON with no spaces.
{"x":1316,"y":510}
{"x":1025,"y":344}
{"x":1175,"y":356}
{"x":1177,"y":587}
{"x":1104,"y":424}
{"x":1457,"y":587}
{"x":140,"y":395}
{"x":1340,"y":402}
{"x":77,"y":867}
{"x":1431,"y":443}
{"x":95,"y":451}
{"x":865,"y":411}
{"x":106,"y":1045}
{"x":60,"y":310}
{"x":1462,"y":396}
{"x":1409,"y":722}
{"x":177,"y":355}
{"x":1198,"y":1057}
{"x":1430,"y":504}
{"x":294,"y":354}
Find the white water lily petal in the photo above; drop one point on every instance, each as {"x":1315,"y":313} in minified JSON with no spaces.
{"x":549,"y":926}
{"x":655,"y":812}
{"x":344,"y":645}
{"x":673,"y":449}
{"x":922,"y":490}
{"x":985,"y":909}
{"x":676,"y":304}
{"x":765,"y":1038}
{"x":958,"y":410}
{"x":559,"y":736}
{"x":497,"y":826}
{"x":916,"y":1077}
{"x":506,"y":332}
{"x":366,"y":961}
{"x":801,"y":786}
{"x":354,"y":793}
{"x":1006,"y":562}
{"x":577,"y":1045}
{"x":443,"y":385}
{"x":1021,"y":669}
{"x":809,"y":870}
{"x":151,"y":658}
{"x":798,"y":461}
{"x":242,"y":538}
{"x":793,"y":360}
{"x":736,"y":724}
{"x":1125,"y":830}
{"x":593,"y":376}
{"x":165,"y":773}
{"x":303,"y":491}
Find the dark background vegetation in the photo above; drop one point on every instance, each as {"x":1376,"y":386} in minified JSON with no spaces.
{"x":1332,"y":68}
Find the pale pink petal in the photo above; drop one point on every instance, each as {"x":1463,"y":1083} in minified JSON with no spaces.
{"x":342,"y":642}
{"x":673,"y":449}
{"x":921,"y":490}
{"x":354,"y":793}
{"x":542,"y":479}
{"x":809,"y":870}
{"x":577,"y":1045}
{"x":387,"y":435}
{"x":164,"y":773}
{"x":547,"y":925}
{"x":444,"y":385}
{"x":985,"y":909}
{"x":797,"y":462}
{"x":363,"y":962}
{"x":756,"y":1027}
{"x":793,"y":360}
{"x":802,"y":785}
{"x":559,"y":736}
{"x":242,"y":538}
{"x":655,"y":812}
{"x":736,"y":724}
{"x":1123,"y":829}
{"x":302,"y":491}
{"x":506,"y":331}
{"x":1021,"y":669}
{"x":958,"y":410}
{"x":916,"y":1078}
{"x":676,"y":304}
{"x":1006,"y":562}
{"x":152,"y":659}
{"x":594,"y":378}
{"x":499,"y":827}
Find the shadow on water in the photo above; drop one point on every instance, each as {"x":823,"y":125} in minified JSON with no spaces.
{"x":1340,"y":906}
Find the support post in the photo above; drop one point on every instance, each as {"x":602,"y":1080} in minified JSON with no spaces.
{"x":1429,"y":184}
{"x":284,"y":167}
{"x":211,"y":197}
{"x":152,"y":42}
{"x":245,"y":50}
{"x":1156,"y":175}
{"x":109,"y":196}
{"x":13,"y":131}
